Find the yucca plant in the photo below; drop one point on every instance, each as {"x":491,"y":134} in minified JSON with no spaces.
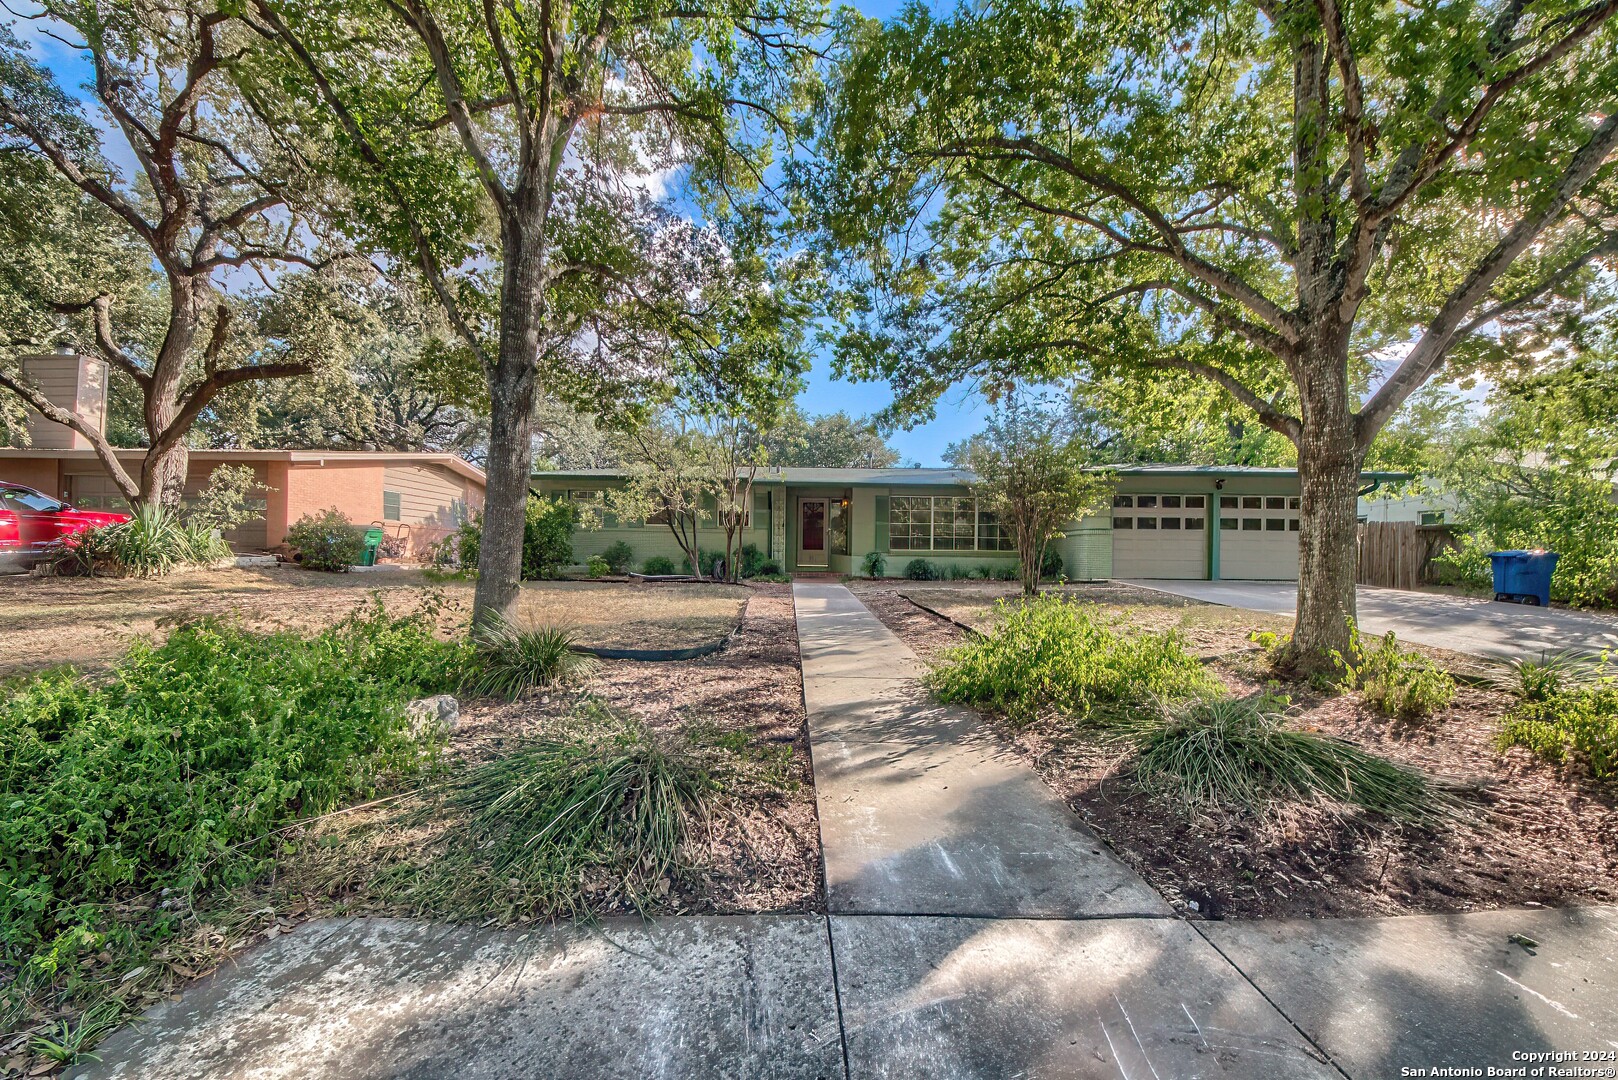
{"x":511,"y":659}
{"x":155,"y":542}
{"x":1239,"y":752}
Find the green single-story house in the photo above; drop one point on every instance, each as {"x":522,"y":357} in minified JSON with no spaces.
{"x":1166,"y":521}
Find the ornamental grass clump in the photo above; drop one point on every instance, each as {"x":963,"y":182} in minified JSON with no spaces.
{"x":1567,"y":713}
{"x":1239,"y":753}
{"x":604,"y":807}
{"x":1048,"y":653}
{"x":509,"y":660}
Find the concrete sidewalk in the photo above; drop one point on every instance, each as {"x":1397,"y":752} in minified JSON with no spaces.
{"x":1458,"y":623}
{"x":921,"y":811}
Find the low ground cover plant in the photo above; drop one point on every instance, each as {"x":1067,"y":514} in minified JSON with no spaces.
{"x":1238,"y":752}
{"x":154,"y":542}
{"x":1396,"y":681}
{"x":130,"y":799}
{"x":1567,"y":712}
{"x":1048,"y":653}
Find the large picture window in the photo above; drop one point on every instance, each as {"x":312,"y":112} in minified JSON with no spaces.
{"x":942,"y":523}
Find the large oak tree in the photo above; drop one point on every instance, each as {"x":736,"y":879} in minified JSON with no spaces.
{"x":1315,"y":205}
{"x":545,"y":120}
{"x":214,"y":192}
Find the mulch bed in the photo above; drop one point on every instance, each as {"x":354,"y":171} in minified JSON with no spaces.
{"x":761,"y":851}
{"x":1545,"y":836}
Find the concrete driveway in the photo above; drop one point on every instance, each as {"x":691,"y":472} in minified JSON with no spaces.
{"x":1461,"y":624}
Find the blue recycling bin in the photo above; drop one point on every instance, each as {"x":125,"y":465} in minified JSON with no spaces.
{"x":1523,"y":577}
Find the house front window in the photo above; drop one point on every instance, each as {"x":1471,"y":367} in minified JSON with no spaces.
{"x":942,"y":523}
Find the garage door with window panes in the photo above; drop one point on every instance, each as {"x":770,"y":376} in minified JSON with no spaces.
{"x":1160,"y":536}
{"x":1258,"y":537}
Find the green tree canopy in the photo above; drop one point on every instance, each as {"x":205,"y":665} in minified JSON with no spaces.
{"x":832,"y":440}
{"x":1314,"y":205}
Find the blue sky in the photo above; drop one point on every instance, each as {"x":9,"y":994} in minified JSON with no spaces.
{"x":960,"y":413}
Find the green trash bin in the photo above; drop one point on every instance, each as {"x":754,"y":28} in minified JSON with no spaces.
{"x":373,"y":544}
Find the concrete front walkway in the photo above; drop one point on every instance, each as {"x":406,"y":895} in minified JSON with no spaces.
{"x":1458,"y":623}
{"x":976,"y":930}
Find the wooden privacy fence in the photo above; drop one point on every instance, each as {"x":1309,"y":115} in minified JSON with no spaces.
{"x":1400,"y":554}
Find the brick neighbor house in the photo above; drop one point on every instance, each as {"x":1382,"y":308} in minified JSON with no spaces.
{"x":419,"y":497}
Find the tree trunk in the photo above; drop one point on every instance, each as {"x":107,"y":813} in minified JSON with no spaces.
{"x":512,"y":387}
{"x":1328,"y":551}
{"x":163,"y":472}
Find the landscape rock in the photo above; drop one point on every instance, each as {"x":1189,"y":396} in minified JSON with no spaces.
{"x":439,"y":714}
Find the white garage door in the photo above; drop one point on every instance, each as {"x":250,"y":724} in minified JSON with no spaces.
{"x":1160,"y":536}
{"x":1258,"y":537}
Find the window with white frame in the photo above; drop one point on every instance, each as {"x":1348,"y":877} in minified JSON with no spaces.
{"x":943,"y":523}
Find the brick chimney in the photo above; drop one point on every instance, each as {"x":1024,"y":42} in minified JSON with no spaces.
{"x":74,"y":382}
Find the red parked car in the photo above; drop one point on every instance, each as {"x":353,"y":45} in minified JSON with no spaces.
{"x":30,"y":522}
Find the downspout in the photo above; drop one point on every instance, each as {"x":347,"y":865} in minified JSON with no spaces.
{"x":1367,"y":490}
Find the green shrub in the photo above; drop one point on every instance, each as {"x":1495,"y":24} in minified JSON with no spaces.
{"x":1005,"y":573}
{"x":1550,"y":676}
{"x":170,"y":774}
{"x":1238,"y":752}
{"x":327,"y":541}
{"x":753,"y":561}
{"x":608,"y":801}
{"x":709,"y":562}
{"x":226,"y":501}
{"x":774,"y":576}
{"x":154,"y":542}
{"x":1050,"y":567}
{"x":921,"y":570}
{"x":468,"y":541}
{"x":769,"y":568}
{"x":658,"y":566}
{"x":547,"y":537}
{"x":596,"y":566}
{"x":620,"y":557}
{"x":1047,"y":653}
{"x":875,"y":564}
{"x":1397,"y":682}
{"x":1573,"y":720}
{"x":510,"y":659}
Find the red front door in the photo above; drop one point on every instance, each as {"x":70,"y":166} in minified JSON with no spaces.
{"x":812,"y":519}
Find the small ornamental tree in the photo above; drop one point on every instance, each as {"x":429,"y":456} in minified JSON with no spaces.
{"x":1032,"y":475}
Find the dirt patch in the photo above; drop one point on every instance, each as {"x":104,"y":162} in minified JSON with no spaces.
{"x":1543,"y":838}
{"x":89,"y":622}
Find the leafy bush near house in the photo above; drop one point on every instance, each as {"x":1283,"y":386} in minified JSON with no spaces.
{"x":1047,"y":653}
{"x":658,"y":566}
{"x":619,"y":556}
{"x":225,"y":501}
{"x":171,"y":774}
{"x":767,"y":569}
{"x":921,"y":570}
{"x":547,"y":537}
{"x":327,"y":541}
{"x":753,"y":561}
{"x":1050,"y":566}
{"x":1238,"y":752}
{"x":596,"y":566}
{"x":154,"y":542}
{"x":875,"y":564}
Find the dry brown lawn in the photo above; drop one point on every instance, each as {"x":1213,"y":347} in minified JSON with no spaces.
{"x":88,"y":622}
